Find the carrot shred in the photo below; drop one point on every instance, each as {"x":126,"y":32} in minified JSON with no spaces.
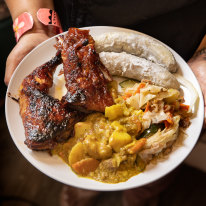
{"x":127,"y":95}
{"x":169,"y":121}
{"x":139,"y":144}
{"x":167,"y":124}
{"x":141,"y":85}
{"x":147,"y":107}
{"x":184,"y":107}
{"x":61,"y":72}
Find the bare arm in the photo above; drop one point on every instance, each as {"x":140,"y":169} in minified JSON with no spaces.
{"x":17,"y":7}
{"x":198,"y":66}
{"x":31,"y":38}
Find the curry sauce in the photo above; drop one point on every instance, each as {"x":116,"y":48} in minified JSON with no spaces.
{"x":114,"y":146}
{"x":104,"y":144}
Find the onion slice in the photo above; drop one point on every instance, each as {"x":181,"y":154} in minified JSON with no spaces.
{"x":194,"y":94}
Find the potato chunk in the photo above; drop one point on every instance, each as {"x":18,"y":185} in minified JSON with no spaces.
{"x":85,"y":166}
{"x":119,"y":139}
{"x":117,"y":126}
{"x":114,"y":111}
{"x":81,"y":128}
{"x":77,"y":153}
{"x":97,"y":149}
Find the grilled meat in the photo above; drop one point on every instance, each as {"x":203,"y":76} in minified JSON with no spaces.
{"x":46,"y":120}
{"x":86,"y":77}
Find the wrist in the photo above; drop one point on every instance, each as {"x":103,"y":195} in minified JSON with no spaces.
{"x":38,"y":27}
{"x":44,"y":21}
{"x":18,"y":7}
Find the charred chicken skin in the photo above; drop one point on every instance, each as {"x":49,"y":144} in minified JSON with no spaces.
{"x":86,"y":77}
{"x":46,"y":120}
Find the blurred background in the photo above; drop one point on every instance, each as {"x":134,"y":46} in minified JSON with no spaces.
{"x":23,"y":185}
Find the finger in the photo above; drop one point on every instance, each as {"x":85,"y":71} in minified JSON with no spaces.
{"x":24,"y":46}
{"x":14,"y":58}
{"x":12,"y":61}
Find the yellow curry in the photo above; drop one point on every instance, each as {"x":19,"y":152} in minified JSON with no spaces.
{"x":117,"y":145}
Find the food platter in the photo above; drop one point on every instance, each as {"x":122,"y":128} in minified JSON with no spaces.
{"x":54,"y":167}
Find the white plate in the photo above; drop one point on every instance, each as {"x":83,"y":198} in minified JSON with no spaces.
{"x":54,"y":167}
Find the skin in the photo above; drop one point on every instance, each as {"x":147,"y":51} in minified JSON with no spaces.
{"x":31,"y":38}
{"x":39,"y":33}
{"x":198,"y":65}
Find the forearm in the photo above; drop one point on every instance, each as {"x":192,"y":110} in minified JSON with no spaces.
{"x":17,"y":7}
{"x":198,"y":65}
{"x":31,"y":38}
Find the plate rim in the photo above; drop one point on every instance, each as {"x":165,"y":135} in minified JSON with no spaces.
{"x":110,"y":187}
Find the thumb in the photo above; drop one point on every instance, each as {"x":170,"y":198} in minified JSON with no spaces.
{"x":22,"y":48}
{"x":12,"y":62}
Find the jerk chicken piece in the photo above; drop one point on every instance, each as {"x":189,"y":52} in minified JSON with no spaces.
{"x":86,"y":77}
{"x":46,"y":120}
